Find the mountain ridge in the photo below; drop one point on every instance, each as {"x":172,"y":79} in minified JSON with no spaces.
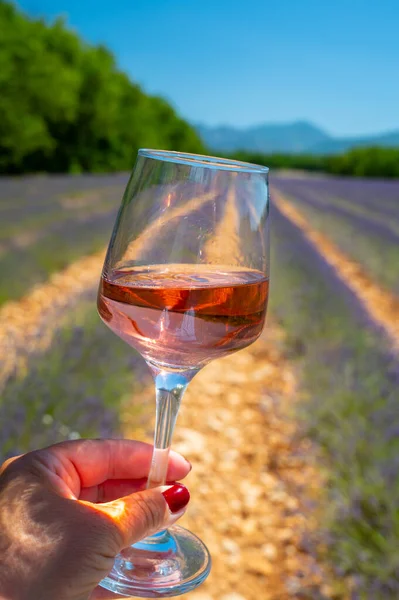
{"x":294,"y":137}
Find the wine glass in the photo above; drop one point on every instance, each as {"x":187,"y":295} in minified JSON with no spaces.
{"x":185,"y":281}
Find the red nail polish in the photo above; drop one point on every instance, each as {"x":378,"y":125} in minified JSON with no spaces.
{"x":176,"y":497}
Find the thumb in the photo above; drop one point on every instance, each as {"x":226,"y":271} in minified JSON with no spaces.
{"x":144,"y":513}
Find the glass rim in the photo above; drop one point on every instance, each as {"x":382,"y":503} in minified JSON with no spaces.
{"x":203,"y":161}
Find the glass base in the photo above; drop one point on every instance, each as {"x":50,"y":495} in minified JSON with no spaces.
{"x":168,"y":563}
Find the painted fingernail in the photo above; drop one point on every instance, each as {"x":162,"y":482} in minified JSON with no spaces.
{"x":176,"y":497}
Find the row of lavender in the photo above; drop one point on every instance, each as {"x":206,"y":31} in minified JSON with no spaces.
{"x":360,"y":216}
{"x":36,"y":201}
{"x":349,"y":384}
{"x":47,"y":222}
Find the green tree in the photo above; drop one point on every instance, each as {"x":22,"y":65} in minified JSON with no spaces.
{"x":65,"y":106}
{"x":37,"y":87}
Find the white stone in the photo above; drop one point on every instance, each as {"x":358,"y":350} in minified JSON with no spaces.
{"x":262,"y":373}
{"x":230,"y":546}
{"x":190,"y":442}
{"x":269,"y":551}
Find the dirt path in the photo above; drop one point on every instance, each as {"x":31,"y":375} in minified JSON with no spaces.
{"x":250,"y":474}
{"x":380,"y":304}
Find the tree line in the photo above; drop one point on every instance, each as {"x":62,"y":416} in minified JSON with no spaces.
{"x":66,"y":107}
{"x":358,"y":162}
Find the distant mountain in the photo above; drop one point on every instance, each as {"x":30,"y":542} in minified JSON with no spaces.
{"x":337,"y":145}
{"x":293,"y":138}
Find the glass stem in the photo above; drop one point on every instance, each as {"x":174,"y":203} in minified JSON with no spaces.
{"x":169,"y":388}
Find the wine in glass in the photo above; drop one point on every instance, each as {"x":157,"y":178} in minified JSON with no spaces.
{"x":185,"y":281}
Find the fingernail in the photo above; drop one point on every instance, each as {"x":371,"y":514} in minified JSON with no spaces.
{"x":176,"y":497}
{"x":188,"y":462}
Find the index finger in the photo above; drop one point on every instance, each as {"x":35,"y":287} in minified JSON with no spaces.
{"x":91,"y":462}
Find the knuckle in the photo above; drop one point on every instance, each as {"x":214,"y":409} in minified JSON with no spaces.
{"x":148,"y":512}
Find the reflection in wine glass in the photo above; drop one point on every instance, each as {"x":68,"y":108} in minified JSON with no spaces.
{"x":185,"y":281}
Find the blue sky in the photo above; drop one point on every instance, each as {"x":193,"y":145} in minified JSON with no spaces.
{"x":243,"y":62}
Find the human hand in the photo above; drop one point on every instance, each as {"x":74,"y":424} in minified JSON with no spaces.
{"x":67,"y":510}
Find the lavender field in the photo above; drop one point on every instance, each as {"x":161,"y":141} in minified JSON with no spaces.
{"x":360,"y":216}
{"x":350,"y":383}
{"x":75,"y":384}
{"x":48,"y":222}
